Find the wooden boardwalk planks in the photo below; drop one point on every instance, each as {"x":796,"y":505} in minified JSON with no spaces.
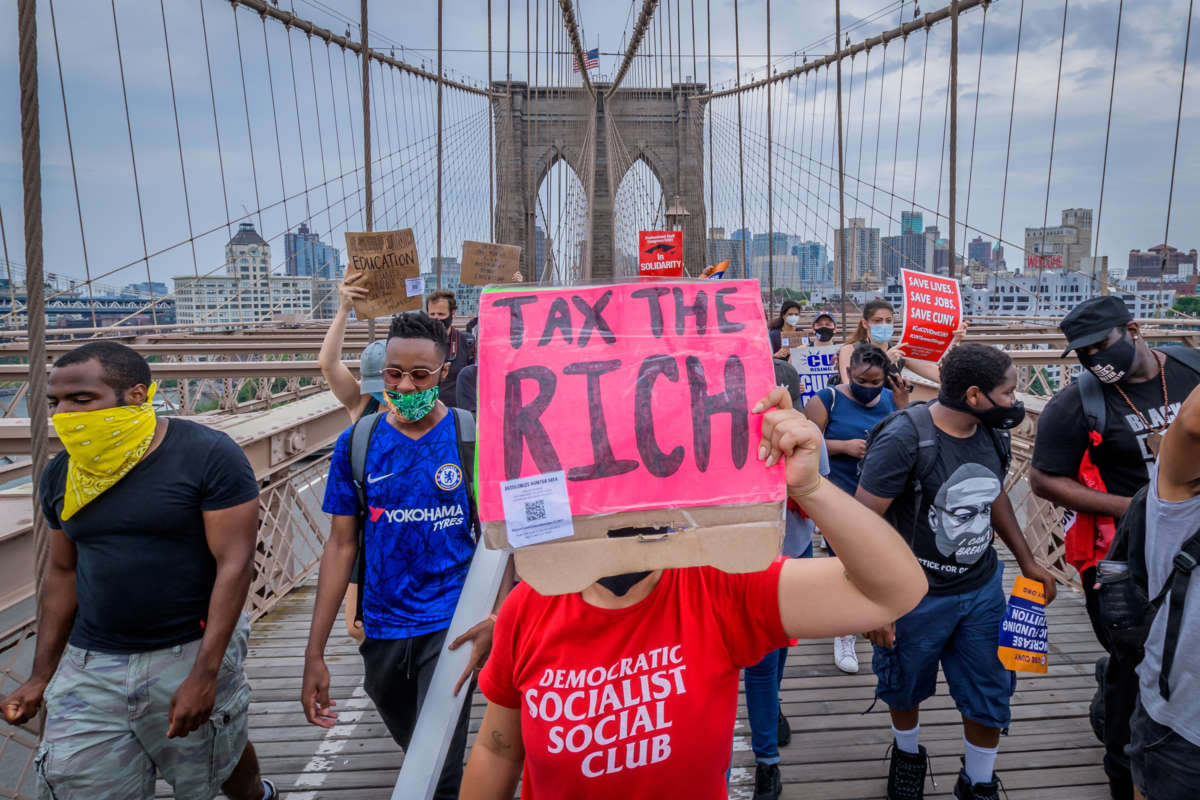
{"x":837,"y":751}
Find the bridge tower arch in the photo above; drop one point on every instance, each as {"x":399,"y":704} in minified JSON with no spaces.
{"x":600,"y":138}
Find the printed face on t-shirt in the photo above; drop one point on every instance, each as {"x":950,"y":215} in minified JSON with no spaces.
{"x":961,"y":515}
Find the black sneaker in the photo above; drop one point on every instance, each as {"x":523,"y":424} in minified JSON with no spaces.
{"x":767,"y":783}
{"x":906,"y":775}
{"x":783,"y":729}
{"x":965,"y":790}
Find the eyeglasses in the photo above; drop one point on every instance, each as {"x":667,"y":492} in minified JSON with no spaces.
{"x":420,"y":376}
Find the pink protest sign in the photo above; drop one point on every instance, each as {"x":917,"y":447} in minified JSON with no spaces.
{"x":932,"y":312}
{"x":640,"y":393}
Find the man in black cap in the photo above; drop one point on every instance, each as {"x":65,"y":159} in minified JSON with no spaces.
{"x":1095,"y":442}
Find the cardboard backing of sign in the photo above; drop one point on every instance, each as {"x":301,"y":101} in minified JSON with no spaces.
{"x":632,"y":403}
{"x":734,"y":538}
{"x":388,"y":261}
{"x":485,"y":263}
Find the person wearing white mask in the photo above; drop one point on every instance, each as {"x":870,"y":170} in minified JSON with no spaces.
{"x":785,"y":331}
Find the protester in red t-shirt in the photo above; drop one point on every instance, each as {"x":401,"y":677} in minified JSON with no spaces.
{"x":605,"y":695}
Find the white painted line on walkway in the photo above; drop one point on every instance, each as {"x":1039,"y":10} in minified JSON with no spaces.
{"x":315,"y":772}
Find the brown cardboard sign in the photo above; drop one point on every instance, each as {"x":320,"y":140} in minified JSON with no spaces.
{"x":484,"y":263}
{"x":391,"y":272}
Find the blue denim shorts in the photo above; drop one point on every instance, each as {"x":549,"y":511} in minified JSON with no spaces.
{"x":961,"y":632}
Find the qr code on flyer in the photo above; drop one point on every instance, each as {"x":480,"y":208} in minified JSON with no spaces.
{"x":535,"y":510}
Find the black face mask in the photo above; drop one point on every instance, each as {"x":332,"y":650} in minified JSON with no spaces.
{"x":1112,"y":364}
{"x":823,"y":334}
{"x":864,"y":394}
{"x":448,"y":321}
{"x":998,"y":416}
{"x":621,"y":584}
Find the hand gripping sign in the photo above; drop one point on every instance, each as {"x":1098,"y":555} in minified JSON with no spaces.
{"x":1023,"y":639}
{"x":660,"y":254}
{"x":932,"y":312}
{"x":615,"y":431}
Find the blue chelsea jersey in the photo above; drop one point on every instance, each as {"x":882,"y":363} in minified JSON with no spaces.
{"x":418,"y":538}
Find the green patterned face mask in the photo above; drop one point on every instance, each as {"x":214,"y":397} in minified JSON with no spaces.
{"x":414,"y":405}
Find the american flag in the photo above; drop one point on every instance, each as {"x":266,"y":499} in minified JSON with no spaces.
{"x":591,"y":60}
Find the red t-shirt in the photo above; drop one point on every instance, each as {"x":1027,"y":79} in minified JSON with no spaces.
{"x":634,"y":702}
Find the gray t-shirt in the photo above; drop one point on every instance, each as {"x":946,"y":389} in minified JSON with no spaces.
{"x":1168,"y":525}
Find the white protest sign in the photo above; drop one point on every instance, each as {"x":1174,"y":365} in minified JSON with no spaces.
{"x":815,"y":365}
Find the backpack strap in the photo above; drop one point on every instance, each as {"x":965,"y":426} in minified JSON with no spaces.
{"x":360,"y":444}
{"x":1003,"y":442}
{"x":1091,"y":394}
{"x":1188,"y":356}
{"x":1176,"y":583}
{"x":922,"y":421}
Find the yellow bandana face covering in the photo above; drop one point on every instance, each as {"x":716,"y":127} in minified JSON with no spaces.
{"x":102,"y":446}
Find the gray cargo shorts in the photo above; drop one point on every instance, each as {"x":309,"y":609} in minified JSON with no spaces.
{"x":107,"y":718}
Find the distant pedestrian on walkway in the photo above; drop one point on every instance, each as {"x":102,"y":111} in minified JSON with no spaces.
{"x":153,"y":524}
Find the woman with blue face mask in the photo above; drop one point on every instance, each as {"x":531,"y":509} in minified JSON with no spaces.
{"x":846,"y":413}
{"x":879,"y":327}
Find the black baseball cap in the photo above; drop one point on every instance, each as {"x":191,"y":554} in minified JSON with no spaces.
{"x":1090,"y":321}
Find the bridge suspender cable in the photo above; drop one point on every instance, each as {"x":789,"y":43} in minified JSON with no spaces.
{"x":635,"y":41}
{"x":1187,"y":41}
{"x":31,"y":175}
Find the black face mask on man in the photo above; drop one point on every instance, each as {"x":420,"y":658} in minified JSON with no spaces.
{"x":1112,"y":364}
{"x":824,"y":334}
{"x":998,"y":416}
{"x":621,"y":584}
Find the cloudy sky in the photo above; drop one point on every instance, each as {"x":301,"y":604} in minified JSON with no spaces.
{"x":320,"y":116}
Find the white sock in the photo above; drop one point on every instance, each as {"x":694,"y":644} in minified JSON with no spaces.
{"x":980,"y":762}
{"x":907,"y":740}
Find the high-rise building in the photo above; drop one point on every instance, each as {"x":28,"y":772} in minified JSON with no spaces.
{"x":813,"y":262}
{"x":980,"y":251}
{"x":247,"y":292}
{"x":909,"y":250}
{"x":761,"y":248}
{"x":910,"y":222}
{"x":860,"y":245}
{"x":722,"y":249}
{"x":1062,"y":245}
{"x":305,"y":254}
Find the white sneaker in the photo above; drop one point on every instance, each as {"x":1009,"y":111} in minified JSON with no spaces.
{"x":844,"y":656}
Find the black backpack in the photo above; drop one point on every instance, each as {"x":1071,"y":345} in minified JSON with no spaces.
{"x":1091,"y":390}
{"x":360,"y":444}
{"x":1126,"y":611}
{"x":917,"y":415}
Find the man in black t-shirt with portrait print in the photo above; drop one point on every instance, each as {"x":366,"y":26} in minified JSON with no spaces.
{"x":937,"y":472}
{"x":1094,"y":473}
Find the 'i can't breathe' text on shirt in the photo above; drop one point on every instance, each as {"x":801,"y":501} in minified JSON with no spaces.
{"x":632,"y":702}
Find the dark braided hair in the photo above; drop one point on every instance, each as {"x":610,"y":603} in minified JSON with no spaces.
{"x":870,"y":355}
{"x":419,"y":325}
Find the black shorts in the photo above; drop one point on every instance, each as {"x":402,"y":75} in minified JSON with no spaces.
{"x":1165,"y":765}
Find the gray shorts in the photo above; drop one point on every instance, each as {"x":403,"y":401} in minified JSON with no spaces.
{"x":107,"y":717}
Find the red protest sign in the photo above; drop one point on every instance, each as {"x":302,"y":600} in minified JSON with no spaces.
{"x":640,"y":394}
{"x":932,"y":312}
{"x":660,"y":254}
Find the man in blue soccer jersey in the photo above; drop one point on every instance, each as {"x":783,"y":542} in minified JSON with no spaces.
{"x":417,"y":543}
